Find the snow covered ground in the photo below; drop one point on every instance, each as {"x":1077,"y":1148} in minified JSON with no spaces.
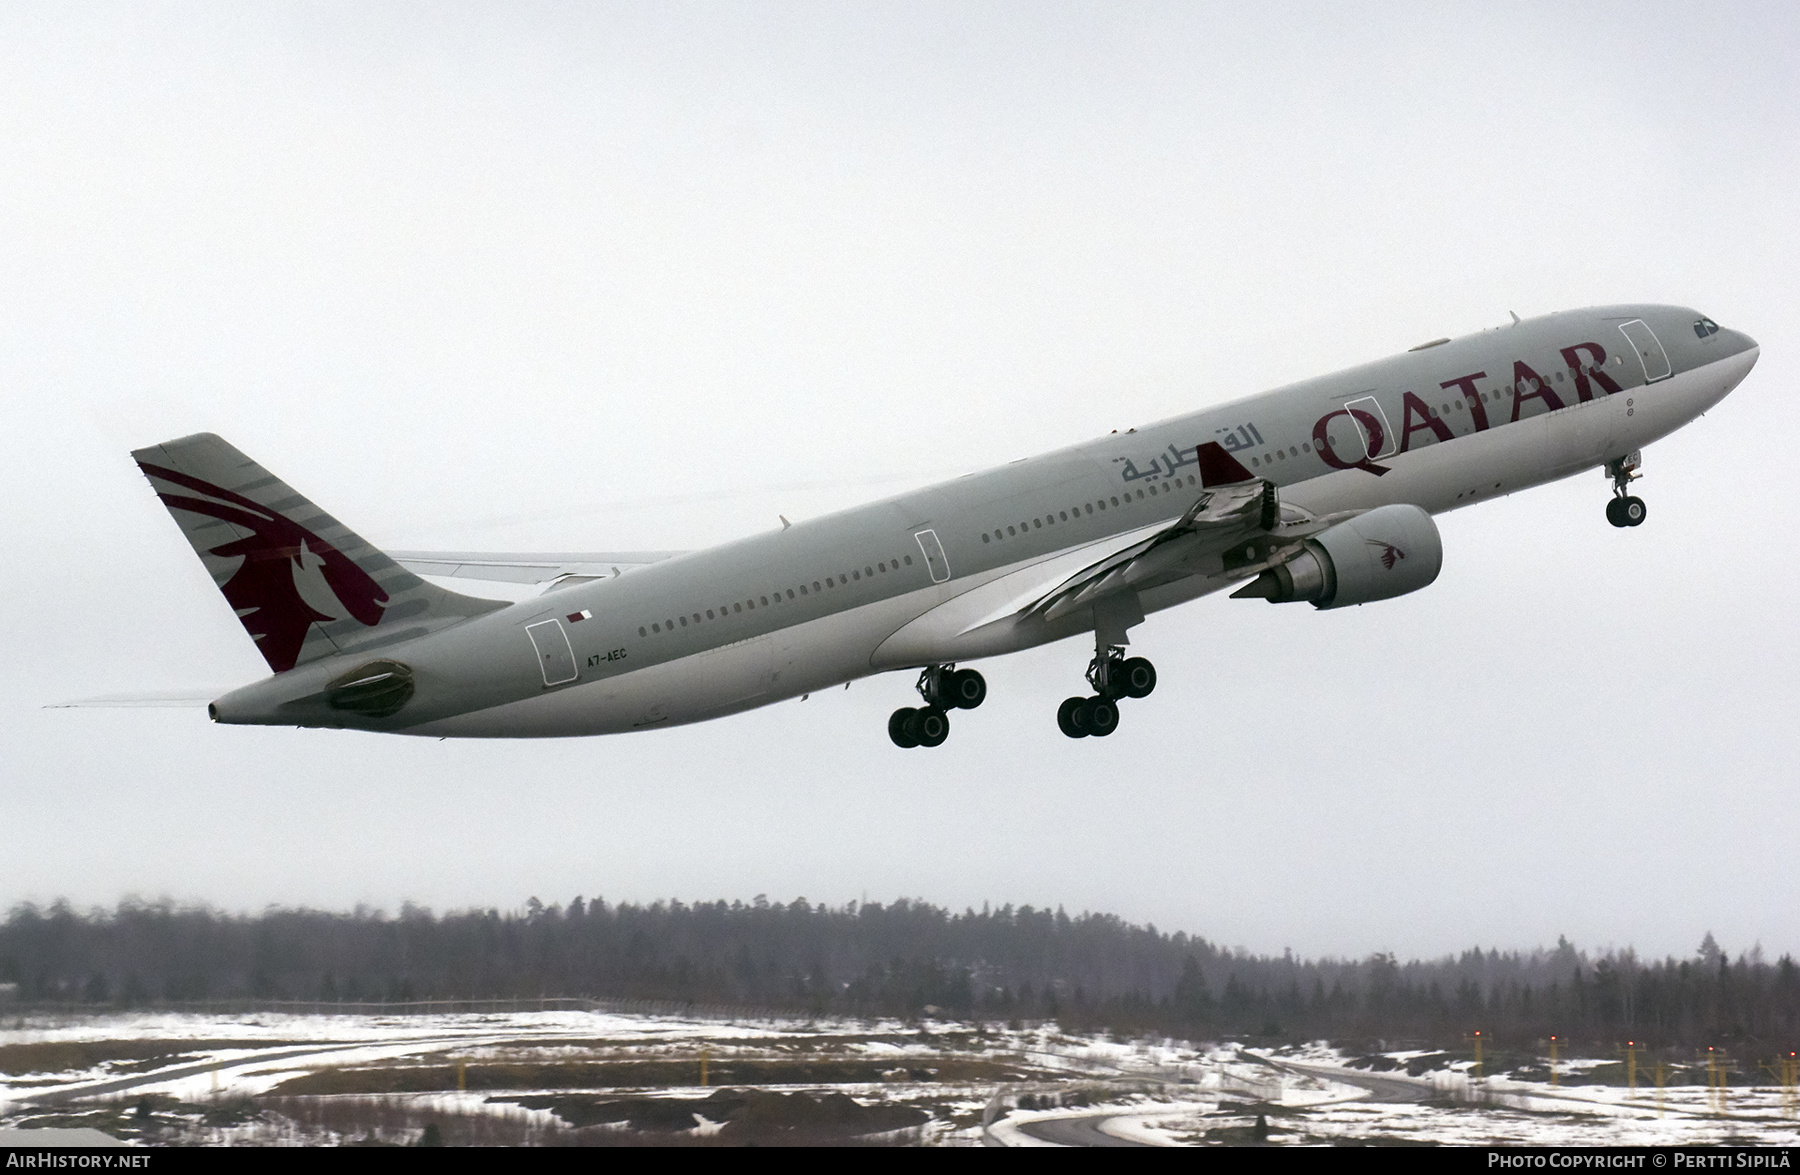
{"x":530,"y":1077}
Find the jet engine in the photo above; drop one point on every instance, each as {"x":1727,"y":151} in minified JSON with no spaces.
{"x":1385,"y":553}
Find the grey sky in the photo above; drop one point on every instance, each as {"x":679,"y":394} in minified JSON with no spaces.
{"x":611,"y":276}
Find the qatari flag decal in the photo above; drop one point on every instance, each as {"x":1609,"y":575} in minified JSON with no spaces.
{"x":578,"y":617}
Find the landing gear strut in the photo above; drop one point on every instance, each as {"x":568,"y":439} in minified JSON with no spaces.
{"x":943,"y":688}
{"x":1113,"y":676}
{"x":1624,"y":509}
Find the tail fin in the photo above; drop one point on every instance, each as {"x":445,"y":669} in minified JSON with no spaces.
{"x":304,"y":585}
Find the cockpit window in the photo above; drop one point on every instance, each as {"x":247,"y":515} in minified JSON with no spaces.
{"x":1705,"y":328}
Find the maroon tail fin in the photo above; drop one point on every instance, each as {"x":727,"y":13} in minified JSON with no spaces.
{"x":1220,"y":468}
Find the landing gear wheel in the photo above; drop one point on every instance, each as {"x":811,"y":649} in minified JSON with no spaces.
{"x":968,"y":689}
{"x":934,"y":726}
{"x":1100,"y":716}
{"x":1615,"y":512}
{"x":1068,"y":718}
{"x":1634,"y":511}
{"x":903,"y":727}
{"x":1137,"y":677}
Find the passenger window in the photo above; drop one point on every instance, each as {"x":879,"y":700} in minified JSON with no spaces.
{"x":984,"y":537}
{"x":870,"y":571}
{"x":791,"y":591}
{"x":909,"y":560}
{"x":1090,"y":507}
{"x":641,"y":631}
{"x":709,"y":614}
{"x":765,"y":601}
{"x":882,"y":567}
{"x":1038,"y":522}
{"x":1253,"y":461}
{"x":737,"y":607}
{"x":856,"y":574}
{"x":1115,"y":501}
{"x":684,"y":622}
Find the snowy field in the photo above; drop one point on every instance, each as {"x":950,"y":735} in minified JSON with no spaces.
{"x":600,"y":1078}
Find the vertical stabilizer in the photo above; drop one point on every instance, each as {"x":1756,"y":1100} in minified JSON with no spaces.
{"x":304,"y":585}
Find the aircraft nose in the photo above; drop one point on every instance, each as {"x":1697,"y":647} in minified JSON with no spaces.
{"x":1741,"y":342}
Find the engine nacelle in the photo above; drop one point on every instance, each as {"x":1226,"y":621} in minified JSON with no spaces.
{"x":1387,"y":552}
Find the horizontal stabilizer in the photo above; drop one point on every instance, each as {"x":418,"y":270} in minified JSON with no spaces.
{"x":155,"y":700}
{"x":527,"y":566}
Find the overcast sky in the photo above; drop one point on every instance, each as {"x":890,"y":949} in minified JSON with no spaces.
{"x":602,"y":276}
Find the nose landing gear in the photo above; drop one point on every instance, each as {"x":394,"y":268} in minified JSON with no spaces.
{"x":943,"y":688}
{"x":1624,"y":509}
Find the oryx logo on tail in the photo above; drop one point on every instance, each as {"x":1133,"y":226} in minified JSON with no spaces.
{"x":288,"y":573}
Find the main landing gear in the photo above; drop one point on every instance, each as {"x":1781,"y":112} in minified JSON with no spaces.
{"x":1113,"y":676}
{"x":944,"y":688}
{"x":1624,"y":509}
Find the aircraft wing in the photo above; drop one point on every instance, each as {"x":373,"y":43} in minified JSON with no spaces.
{"x":1240,"y":525}
{"x":528,"y":567}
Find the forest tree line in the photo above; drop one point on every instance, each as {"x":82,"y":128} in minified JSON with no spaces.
{"x":904,"y":958}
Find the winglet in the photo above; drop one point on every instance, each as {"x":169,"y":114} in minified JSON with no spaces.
{"x":1219,"y":468}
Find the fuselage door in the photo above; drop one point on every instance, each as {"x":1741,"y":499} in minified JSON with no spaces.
{"x":1649,"y":349}
{"x":934,"y":555}
{"x":555,"y":655}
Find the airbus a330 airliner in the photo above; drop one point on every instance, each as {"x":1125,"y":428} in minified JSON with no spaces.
{"x":1321,"y":492}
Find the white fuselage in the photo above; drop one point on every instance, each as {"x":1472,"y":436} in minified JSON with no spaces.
{"x":722,"y":662}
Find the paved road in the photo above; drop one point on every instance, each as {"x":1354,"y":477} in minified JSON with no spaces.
{"x":402,"y":1047}
{"x":56,"y":1097}
{"x":1082,"y":1131}
{"x":1381,"y":1088}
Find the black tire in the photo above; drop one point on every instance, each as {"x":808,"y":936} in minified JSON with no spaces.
{"x":968,"y":689}
{"x":1634,"y":511}
{"x":903,"y":728}
{"x":934,"y":726}
{"x":1068,"y":717}
{"x":1100,"y":716}
{"x":1137,"y":677}
{"x":1615,"y":512}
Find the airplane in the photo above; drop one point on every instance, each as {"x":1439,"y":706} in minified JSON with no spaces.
{"x":1321,"y":492}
